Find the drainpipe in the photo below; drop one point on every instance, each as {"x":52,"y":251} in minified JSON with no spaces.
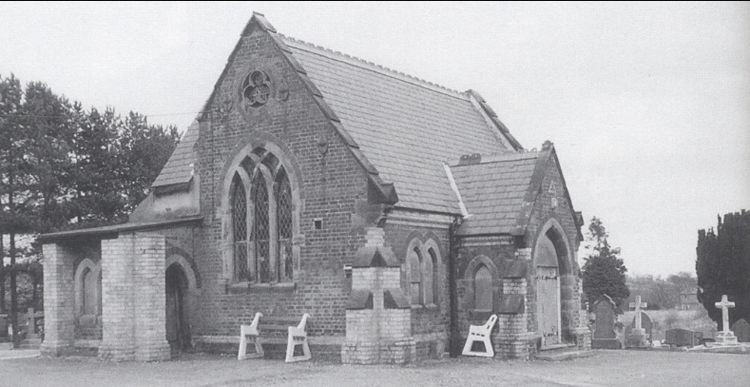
{"x":454,"y":340}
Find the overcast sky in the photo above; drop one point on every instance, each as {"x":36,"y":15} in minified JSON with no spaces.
{"x":648,"y":104}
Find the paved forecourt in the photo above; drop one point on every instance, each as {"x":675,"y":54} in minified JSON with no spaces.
{"x":605,"y":368}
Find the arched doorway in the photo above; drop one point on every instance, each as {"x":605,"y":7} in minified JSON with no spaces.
{"x":178,"y":327}
{"x":552,"y":272}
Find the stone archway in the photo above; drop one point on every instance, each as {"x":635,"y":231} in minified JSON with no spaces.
{"x":179,"y":292}
{"x":552,"y":276}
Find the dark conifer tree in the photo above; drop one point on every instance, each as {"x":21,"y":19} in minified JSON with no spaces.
{"x":723,"y":266}
{"x":603,"y":271}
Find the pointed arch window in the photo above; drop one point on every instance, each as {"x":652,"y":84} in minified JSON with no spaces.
{"x":262,"y":234}
{"x":239,"y":225}
{"x":415,"y":263}
{"x":90,"y":292}
{"x":284,"y":226}
{"x":431,"y":277}
{"x":262,"y":213}
{"x":423,"y":271}
{"x":483,"y":289}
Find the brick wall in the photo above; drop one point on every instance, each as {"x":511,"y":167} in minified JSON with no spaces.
{"x":429,"y":323}
{"x":375,"y":334}
{"x":59,"y":300}
{"x":570,"y":282}
{"x":133,"y":303}
{"x":329,"y":183}
{"x":513,"y":339}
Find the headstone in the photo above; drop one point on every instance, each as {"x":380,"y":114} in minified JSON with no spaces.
{"x":3,"y":327}
{"x":637,"y":336}
{"x":646,"y":324}
{"x":741,"y":329}
{"x":725,"y":337}
{"x":604,"y":336}
{"x":31,"y":324}
{"x":682,"y":337}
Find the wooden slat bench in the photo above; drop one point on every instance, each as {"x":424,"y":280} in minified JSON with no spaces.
{"x":272,"y":331}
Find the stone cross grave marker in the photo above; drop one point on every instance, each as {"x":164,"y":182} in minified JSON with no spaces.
{"x":638,"y":306}
{"x":637,"y":336}
{"x":725,"y":337}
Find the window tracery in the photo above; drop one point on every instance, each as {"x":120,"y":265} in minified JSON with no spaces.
{"x":262,"y":216}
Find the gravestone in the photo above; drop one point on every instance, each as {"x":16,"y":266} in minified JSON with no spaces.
{"x":3,"y":327}
{"x":604,"y":336}
{"x":741,"y":329}
{"x":646,"y":324}
{"x":682,"y":337}
{"x":725,"y":337}
{"x":636,"y":335}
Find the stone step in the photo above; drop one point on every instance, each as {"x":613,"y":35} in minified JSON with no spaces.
{"x":30,"y":344}
{"x":565,"y":355}
{"x":558,"y":352}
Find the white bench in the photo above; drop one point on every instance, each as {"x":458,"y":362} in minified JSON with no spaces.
{"x":480,"y":333}
{"x":251,"y":332}
{"x":296,"y":335}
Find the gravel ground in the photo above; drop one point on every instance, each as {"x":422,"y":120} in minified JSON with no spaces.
{"x":605,"y":368}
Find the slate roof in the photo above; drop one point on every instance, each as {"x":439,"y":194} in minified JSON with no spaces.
{"x":403,"y":129}
{"x":494,"y":191}
{"x":179,"y":169}
{"x":407,"y":128}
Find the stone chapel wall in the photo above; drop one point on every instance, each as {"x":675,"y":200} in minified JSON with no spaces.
{"x":553,"y":203}
{"x":329,"y":181}
{"x":429,"y":321}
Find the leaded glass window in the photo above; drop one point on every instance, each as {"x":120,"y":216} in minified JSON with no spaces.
{"x":261,"y":228}
{"x":284,"y":221}
{"x":239,"y":227}
{"x":262,"y":220}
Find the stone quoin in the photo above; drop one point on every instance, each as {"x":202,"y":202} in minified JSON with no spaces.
{"x":395,"y":212}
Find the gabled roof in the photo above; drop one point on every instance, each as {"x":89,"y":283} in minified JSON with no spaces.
{"x":401,"y":129}
{"x":494,"y":191}
{"x":179,"y":168}
{"x":407,"y":128}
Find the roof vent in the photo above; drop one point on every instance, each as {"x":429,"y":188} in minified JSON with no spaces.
{"x":475,"y":158}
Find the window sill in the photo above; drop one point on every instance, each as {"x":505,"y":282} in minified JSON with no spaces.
{"x":248,"y":287}
{"x":424,"y":307}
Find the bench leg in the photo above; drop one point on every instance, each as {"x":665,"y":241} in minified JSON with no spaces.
{"x":485,"y":339}
{"x":242,"y":354}
{"x":294,"y":339}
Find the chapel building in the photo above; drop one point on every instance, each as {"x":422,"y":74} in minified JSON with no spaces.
{"x":395,"y":212}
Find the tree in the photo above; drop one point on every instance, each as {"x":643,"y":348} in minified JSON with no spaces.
{"x":15,"y":197}
{"x":723,"y":266}
{"x":603,"y":271}
{"x":64,"y":167}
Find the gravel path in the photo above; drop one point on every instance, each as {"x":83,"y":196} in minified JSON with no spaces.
{"x":606,"y":368}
